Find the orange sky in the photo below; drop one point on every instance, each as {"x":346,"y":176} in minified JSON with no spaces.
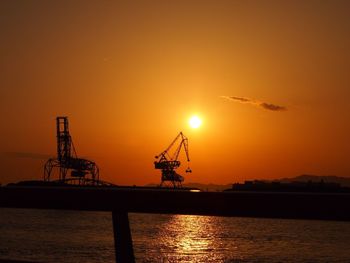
{"x":130,"y":75}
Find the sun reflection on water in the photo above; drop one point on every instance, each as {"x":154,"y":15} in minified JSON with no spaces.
{"x":189,"y":236}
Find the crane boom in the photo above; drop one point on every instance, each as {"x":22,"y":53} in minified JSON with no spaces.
{"x":184,"y":143}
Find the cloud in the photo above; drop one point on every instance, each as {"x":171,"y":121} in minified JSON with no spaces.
{"x":26,"y":155}
{"x":260,"y":104}
{"x":272,"y":107}
{"x":244,"y":100}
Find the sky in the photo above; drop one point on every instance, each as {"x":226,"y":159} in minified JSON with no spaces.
{"x":269,"y":80}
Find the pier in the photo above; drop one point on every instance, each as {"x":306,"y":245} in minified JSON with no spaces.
{"x":121,"y":201}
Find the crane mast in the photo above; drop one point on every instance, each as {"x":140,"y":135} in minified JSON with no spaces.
{"x":169,"y":163}
{"x":82,"y":171}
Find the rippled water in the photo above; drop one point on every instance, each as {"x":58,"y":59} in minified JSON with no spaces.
{"x":74,"y":236}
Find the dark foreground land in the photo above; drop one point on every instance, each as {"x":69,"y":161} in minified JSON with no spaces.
{"x":323,"y":206}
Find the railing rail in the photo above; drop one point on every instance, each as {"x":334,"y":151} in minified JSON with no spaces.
{"x":121,"y":201}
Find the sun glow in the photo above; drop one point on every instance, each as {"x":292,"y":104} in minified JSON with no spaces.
{"x":195,"y":122}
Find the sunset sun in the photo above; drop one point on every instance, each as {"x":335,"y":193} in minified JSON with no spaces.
{"x":195,"y":122}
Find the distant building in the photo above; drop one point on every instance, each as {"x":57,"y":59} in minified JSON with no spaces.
{"x":295,"y":186}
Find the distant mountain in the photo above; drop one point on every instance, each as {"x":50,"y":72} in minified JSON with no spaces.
{"x":343,"y":181}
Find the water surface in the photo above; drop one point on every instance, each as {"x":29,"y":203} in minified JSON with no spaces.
{"x":75,"y":236}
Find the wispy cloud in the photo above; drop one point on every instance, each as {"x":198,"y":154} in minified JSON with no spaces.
{"x":273,"y":107}
{"x":26,"y":155}
{"x":260,"y":104}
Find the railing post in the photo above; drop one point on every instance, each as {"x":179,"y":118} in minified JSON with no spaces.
{"x":124,"y":252}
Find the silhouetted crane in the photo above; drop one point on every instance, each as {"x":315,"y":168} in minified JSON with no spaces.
{"x":168,"y":164}
{"x":82,"y":171}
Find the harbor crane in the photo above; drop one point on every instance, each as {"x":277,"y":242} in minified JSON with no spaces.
{"x":82,"y":171}
{"x":169,"y":163}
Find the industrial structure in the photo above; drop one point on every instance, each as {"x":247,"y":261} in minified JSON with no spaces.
{"x":169,"y":163}
{"x":71,"y":169}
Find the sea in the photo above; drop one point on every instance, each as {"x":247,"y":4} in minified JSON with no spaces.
{"x":79,"y":236}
